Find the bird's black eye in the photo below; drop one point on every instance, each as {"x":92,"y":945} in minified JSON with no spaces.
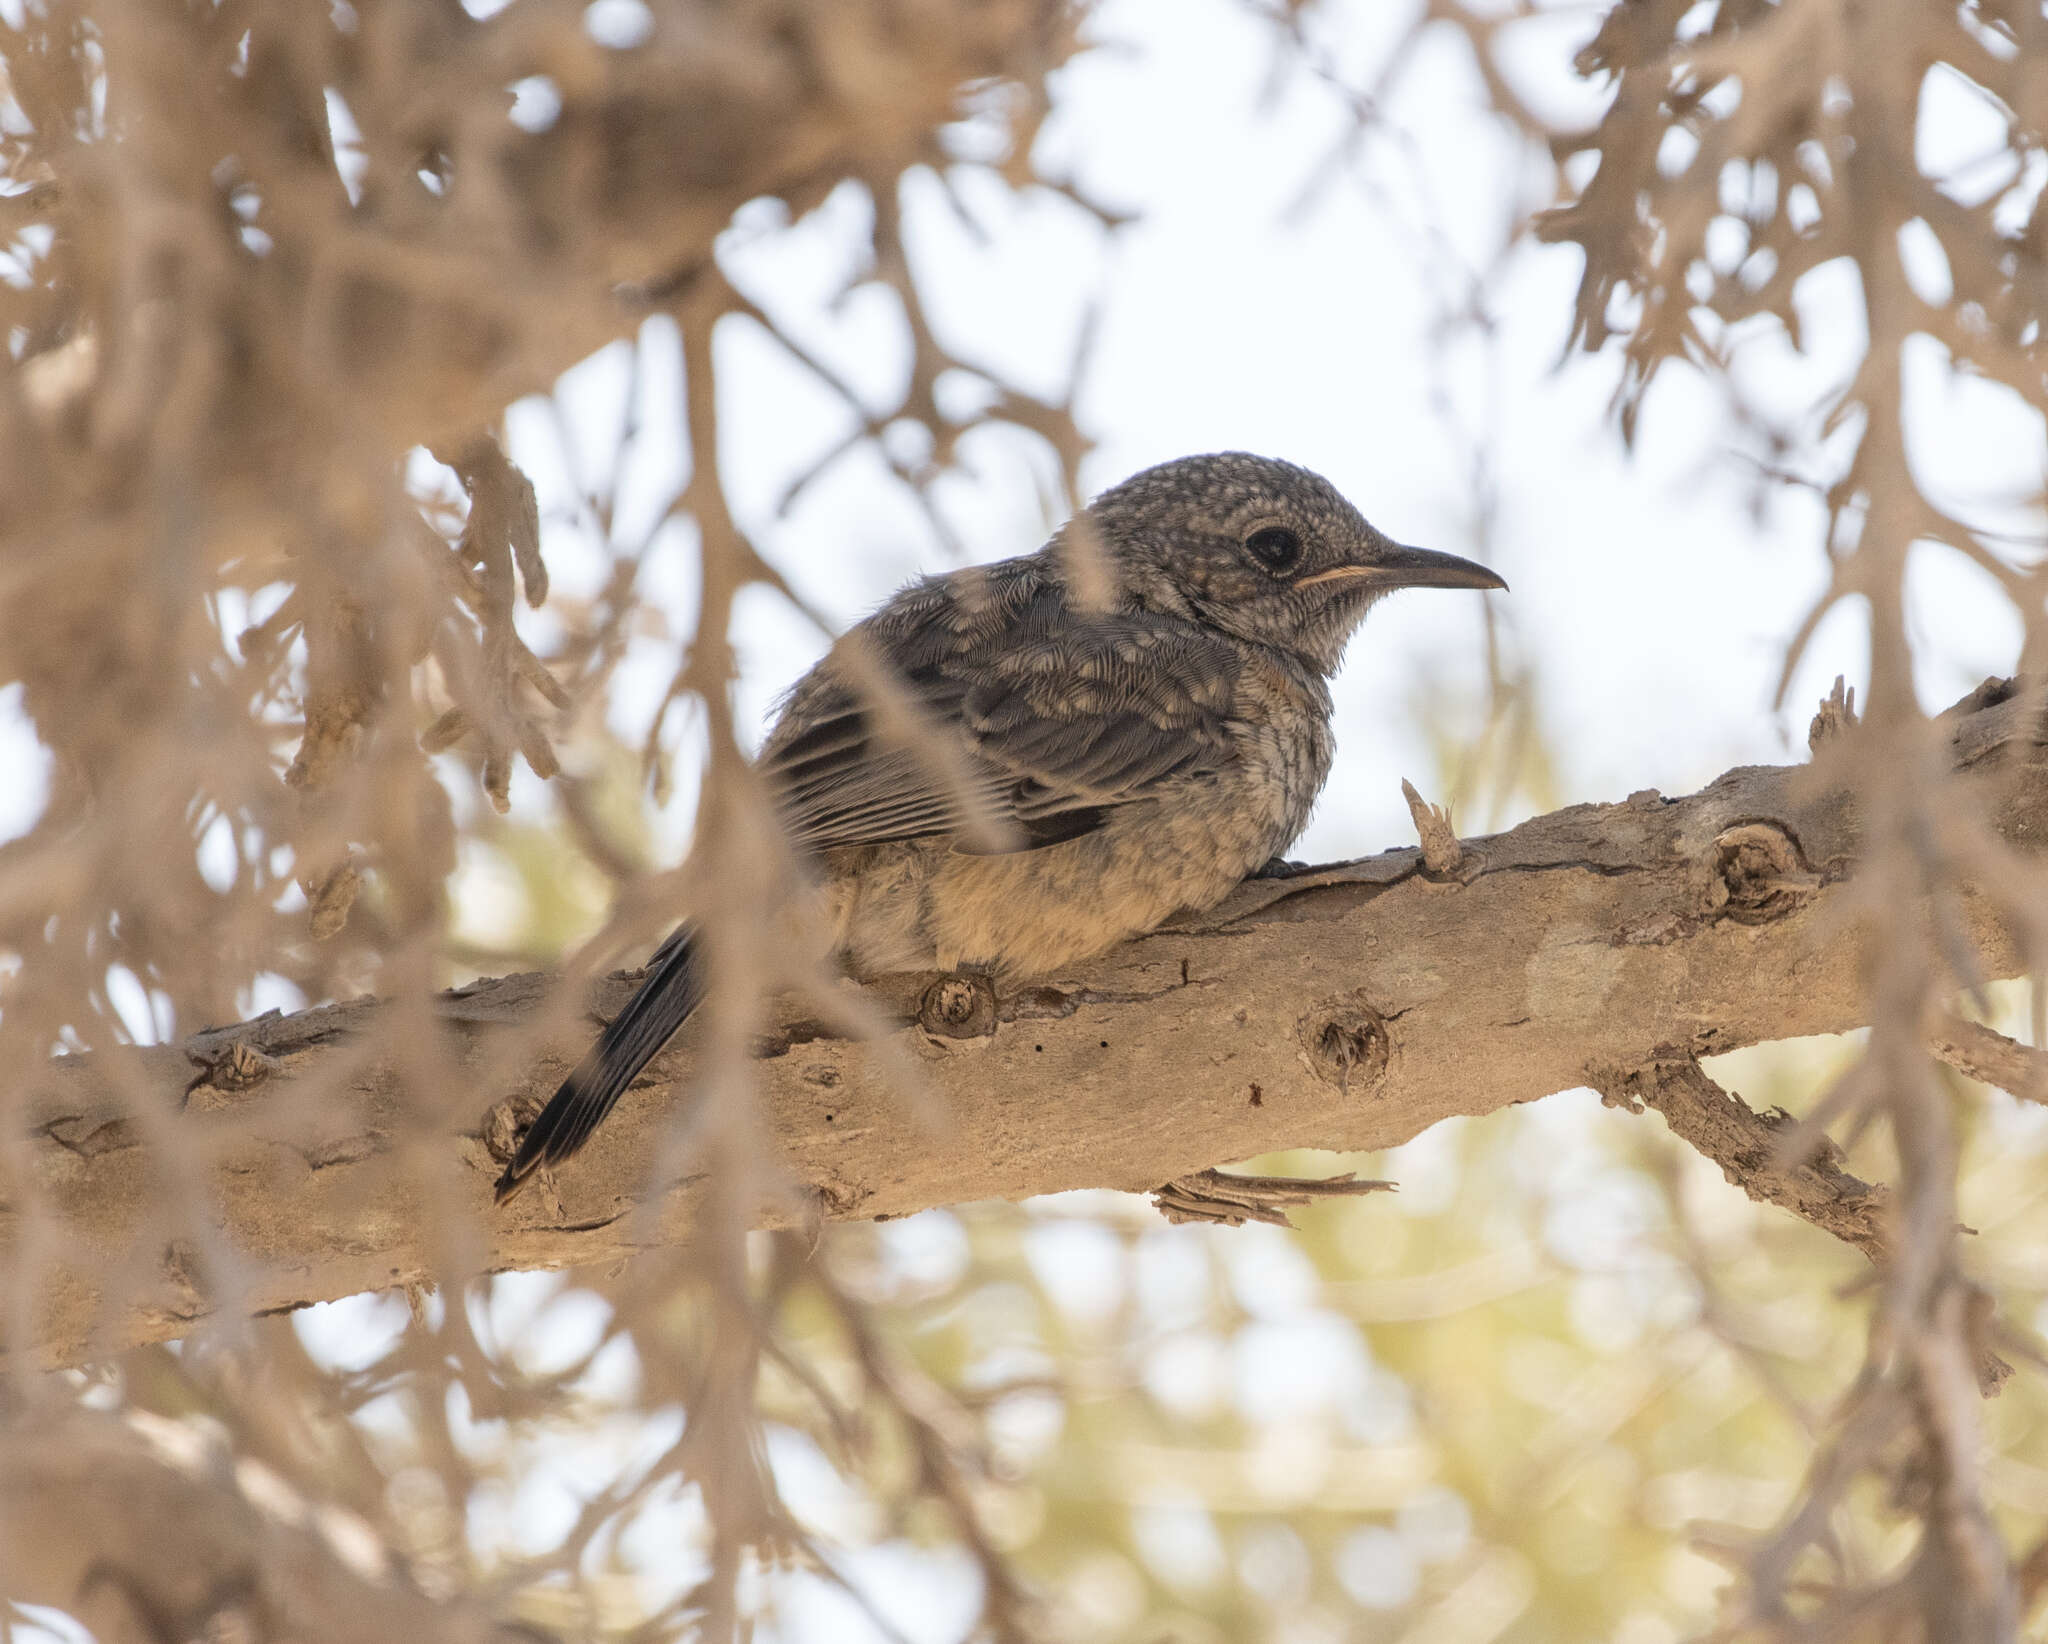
{"x":1275,"y":547}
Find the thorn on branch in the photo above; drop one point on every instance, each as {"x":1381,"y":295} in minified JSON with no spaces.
{"x":1231,"y":1201}
{"x":1441,"y":851}
{"x":1835,"y":718}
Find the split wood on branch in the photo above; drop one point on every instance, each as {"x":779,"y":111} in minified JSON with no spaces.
{"x":1346,"y":1007}
{"x":1231,"y":1200}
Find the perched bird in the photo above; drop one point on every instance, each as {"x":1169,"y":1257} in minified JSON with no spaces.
{"x":1136,"y":717}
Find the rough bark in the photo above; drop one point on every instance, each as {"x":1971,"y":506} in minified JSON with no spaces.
{"x":1751,"y":1147}
{"x":1344,"y":1007}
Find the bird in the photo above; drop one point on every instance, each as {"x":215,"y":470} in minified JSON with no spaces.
{"x":1128,"y":723}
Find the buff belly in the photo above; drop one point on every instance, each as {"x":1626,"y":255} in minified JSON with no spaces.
{"x":923,"y":905}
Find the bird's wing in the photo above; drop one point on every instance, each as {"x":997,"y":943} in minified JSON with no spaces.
{"x":1055,"y":718}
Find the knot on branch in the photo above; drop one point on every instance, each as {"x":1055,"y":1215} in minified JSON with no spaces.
{"x":1758,"y":875}
{"x":505,"y":1123}
{"x":238,"y":1068}
{"x":958,"y":1007}
{"x":1345,"y":1042}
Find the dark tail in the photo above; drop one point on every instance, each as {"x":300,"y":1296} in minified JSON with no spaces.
{"x":636,"y":1035}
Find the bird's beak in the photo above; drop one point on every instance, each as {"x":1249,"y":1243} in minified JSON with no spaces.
{"x":1399,"y":567}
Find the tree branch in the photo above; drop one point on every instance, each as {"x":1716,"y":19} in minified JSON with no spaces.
{"x":1988,"y":1056}
{"x":1749,"y":1147}
{"x":1344,"y":1007}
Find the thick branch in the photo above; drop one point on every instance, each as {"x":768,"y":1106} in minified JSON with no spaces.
{"x":1347,"y":1007}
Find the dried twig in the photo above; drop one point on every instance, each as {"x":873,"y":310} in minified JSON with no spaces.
{"x":1441,"y":851}
{"x":1231,"y":1200}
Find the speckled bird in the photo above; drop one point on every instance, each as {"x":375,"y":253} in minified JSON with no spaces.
{"x":1135,"y":718}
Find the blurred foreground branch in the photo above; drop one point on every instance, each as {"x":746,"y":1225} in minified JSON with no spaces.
{"x":162,"y":1537}
{"x":1345,"y":1007}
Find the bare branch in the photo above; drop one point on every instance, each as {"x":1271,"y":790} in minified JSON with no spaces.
{"x":144,"y":1529}
{"x":1747,"y":1144}
{"x":1988,"y":1056}
{"x":1619,"y":936}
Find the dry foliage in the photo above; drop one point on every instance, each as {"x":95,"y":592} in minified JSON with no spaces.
{"x":1740,"y":153}
{"x":262,"y":257}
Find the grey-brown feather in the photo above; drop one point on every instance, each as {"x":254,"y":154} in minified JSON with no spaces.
{"x":1060,"y":716}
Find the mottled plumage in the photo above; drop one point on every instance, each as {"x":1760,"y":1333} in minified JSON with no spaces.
{"x":1133,"y":719}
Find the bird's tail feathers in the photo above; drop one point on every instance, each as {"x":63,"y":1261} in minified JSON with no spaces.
{"x":635,"y":1037}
